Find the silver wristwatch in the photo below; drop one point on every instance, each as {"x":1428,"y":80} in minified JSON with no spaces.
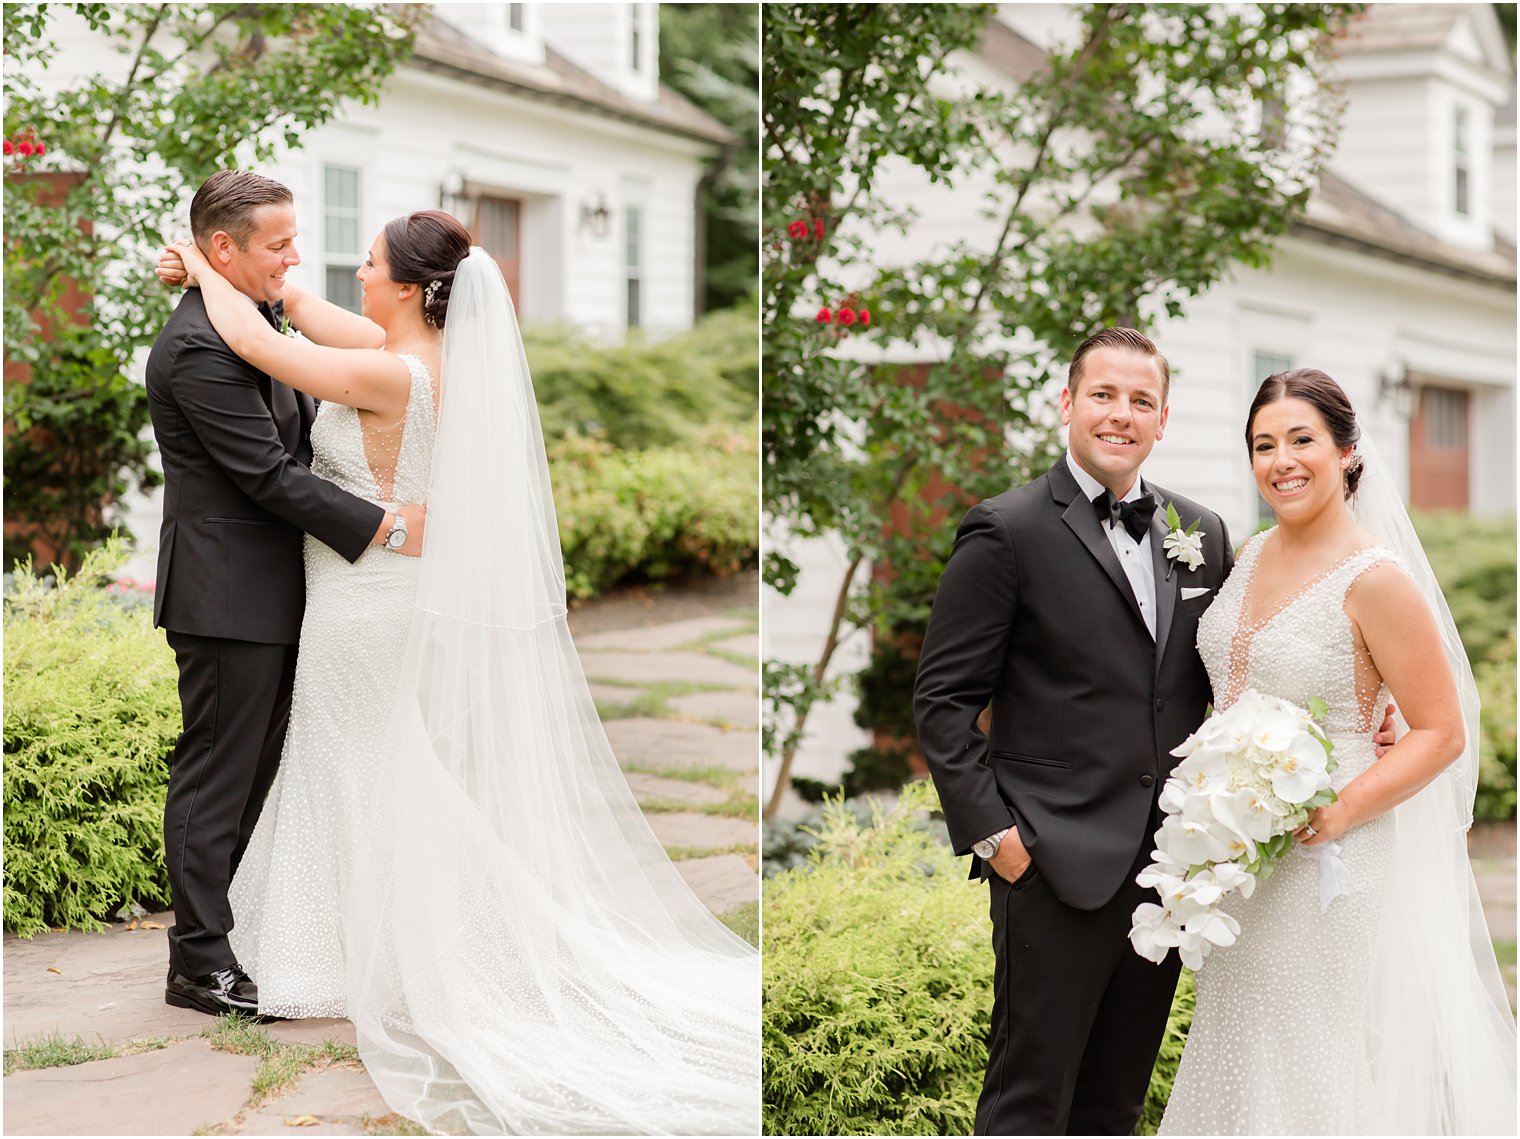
{"x":395,"y":537}
{"x":989,"y":845}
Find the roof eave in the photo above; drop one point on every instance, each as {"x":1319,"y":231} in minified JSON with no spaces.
{"x":1331,"y":235}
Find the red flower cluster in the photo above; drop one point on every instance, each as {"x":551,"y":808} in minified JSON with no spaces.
{"x":845,"y":316}
{"x":25,"y":144}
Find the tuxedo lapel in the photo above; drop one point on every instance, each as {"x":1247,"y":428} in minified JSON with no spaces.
{"x":1079,"y":517}
{"x":1168,"y":581}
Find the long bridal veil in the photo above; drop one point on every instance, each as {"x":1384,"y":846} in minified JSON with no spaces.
{"x":528,"y":959}
{"x":1441,"y":1034}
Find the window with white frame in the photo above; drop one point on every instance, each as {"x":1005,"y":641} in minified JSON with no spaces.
{"x":342,"y":252}
{"x":636,"y":37}
{"x":1264,"y":364}
{"x":1461,"y":162}
{"x":515,"y":17}
{"x":633,"y":262}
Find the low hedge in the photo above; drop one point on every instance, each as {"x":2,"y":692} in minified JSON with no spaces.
{"x":647,"y":393}
{"x":878,"y":982}
{"x":657,"y":513}
{"x":91,"y":715}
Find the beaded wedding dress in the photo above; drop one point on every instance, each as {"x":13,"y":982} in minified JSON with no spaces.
{"x":450,"y":856}
{"x":1291,"y":1030}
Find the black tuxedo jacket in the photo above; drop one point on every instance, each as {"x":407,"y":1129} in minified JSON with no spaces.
{"x":237,"y":491}
{"x":1034,"y":615}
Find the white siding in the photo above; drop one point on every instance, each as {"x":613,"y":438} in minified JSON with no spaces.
{"x":601,"y":38}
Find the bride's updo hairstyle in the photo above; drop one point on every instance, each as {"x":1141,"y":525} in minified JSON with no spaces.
{"x":1313,"y":386}
{"x":424,"y":249}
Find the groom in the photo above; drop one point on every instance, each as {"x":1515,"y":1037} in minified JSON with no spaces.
{"x":1061,"y":608}
{"x":231,"y":585}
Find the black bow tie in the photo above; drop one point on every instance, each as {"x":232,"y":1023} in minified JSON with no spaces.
{"x":1135,"y":516}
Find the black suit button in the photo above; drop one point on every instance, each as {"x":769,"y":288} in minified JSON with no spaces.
{"x":1160,"y":704}
{"x":1147,"y":780}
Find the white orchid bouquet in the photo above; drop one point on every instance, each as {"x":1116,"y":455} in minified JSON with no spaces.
{"x":1248,"y":779}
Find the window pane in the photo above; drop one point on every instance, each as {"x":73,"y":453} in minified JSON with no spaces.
{"x":1445,"y":419}
{"x":515,"y":17}
{"x":633,"y":302}
{"x":343,"y":287}
{"x":631,"y":227}
{"x":342,"y":187}
{"x":1461,"y":191}
{"x":633,"y":37}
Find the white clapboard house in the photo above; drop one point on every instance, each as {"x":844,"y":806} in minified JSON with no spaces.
{"x":544,"y":128}
{"x":1399,"y":282}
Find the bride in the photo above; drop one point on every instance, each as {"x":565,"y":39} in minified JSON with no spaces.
{"x":1381,"y":1012}
{"x":450,"y":856}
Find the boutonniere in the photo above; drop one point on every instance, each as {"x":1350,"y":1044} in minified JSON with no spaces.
{"x":1185,"y":546}
{"x":287,"y":329}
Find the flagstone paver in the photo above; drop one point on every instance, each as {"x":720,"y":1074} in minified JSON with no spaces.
{"x":725,"y":877}
{"x":108,"y":987}
{"x":745,"y":645}
{"x":168,"y":1092}
{"x":659,"y":637}
{"x":339,"y":1095}
{"x":735,"y":708}
{"x":681,"y":829}
{"x":647,"y":787}
{"x":670,"y":744}
{"x":692,"y":667}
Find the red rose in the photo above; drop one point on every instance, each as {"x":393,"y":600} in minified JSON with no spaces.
{"x":846,"y":316}
{"x":8,"y":147}
{"x":41,"y":149}
{"x":797,"y":229}
{"x":865,"y":316}
{"x":25,"y":148}
{"x":824,"y":316}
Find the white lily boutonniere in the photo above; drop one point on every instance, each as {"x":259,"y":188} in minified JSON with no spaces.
{"x":288,"y":329}
{"x":1185,"y":546}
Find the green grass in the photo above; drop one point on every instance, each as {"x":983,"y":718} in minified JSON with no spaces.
{"x":281,"y":1065}
{"x":651,"y":702}
{"x":745,"y":662}
{"x":723,"y":778}
{"x":739,"y":805}
{"x":682,"y":853}
{"x":699,"y":644}
{"x":745,"y":921}
{"x":54,"y":1052}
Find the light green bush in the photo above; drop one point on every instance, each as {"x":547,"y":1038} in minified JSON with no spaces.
{"x":656,"y":513}
{"x":878,"y":982}
{"x":91,"y":715}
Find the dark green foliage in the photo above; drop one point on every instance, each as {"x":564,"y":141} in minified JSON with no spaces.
{"x":76,"y":444}
{"x":91,"y":715}
{"x":644,"y":393}
{"x":711,"y":54}
{"x":657,"y":513}
{"x":124,"y":155}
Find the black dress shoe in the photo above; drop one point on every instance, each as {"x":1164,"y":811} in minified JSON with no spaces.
{"x":225,"y":990}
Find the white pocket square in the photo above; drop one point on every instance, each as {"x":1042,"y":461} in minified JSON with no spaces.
{"x":1189,"y":592}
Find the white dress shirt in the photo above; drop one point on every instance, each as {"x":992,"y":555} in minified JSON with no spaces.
{"x":1134,"y":556}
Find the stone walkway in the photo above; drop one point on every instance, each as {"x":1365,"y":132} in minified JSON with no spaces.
{"x":675,"y":678}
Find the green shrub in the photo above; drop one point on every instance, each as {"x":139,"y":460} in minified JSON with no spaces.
{"x":1496,"y":758}
{"x":657,"y":513}
{"x":646,"y":393}
{"x":1165,"y":1071}
{"x":878,"y":982}
{"x":91,"y":715}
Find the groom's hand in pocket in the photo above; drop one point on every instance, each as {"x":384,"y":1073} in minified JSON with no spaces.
{"x":1011,"y":860}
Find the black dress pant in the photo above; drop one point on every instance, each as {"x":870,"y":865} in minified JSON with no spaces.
{"x":235,"y":699}
{"x":1077,"y":1017}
